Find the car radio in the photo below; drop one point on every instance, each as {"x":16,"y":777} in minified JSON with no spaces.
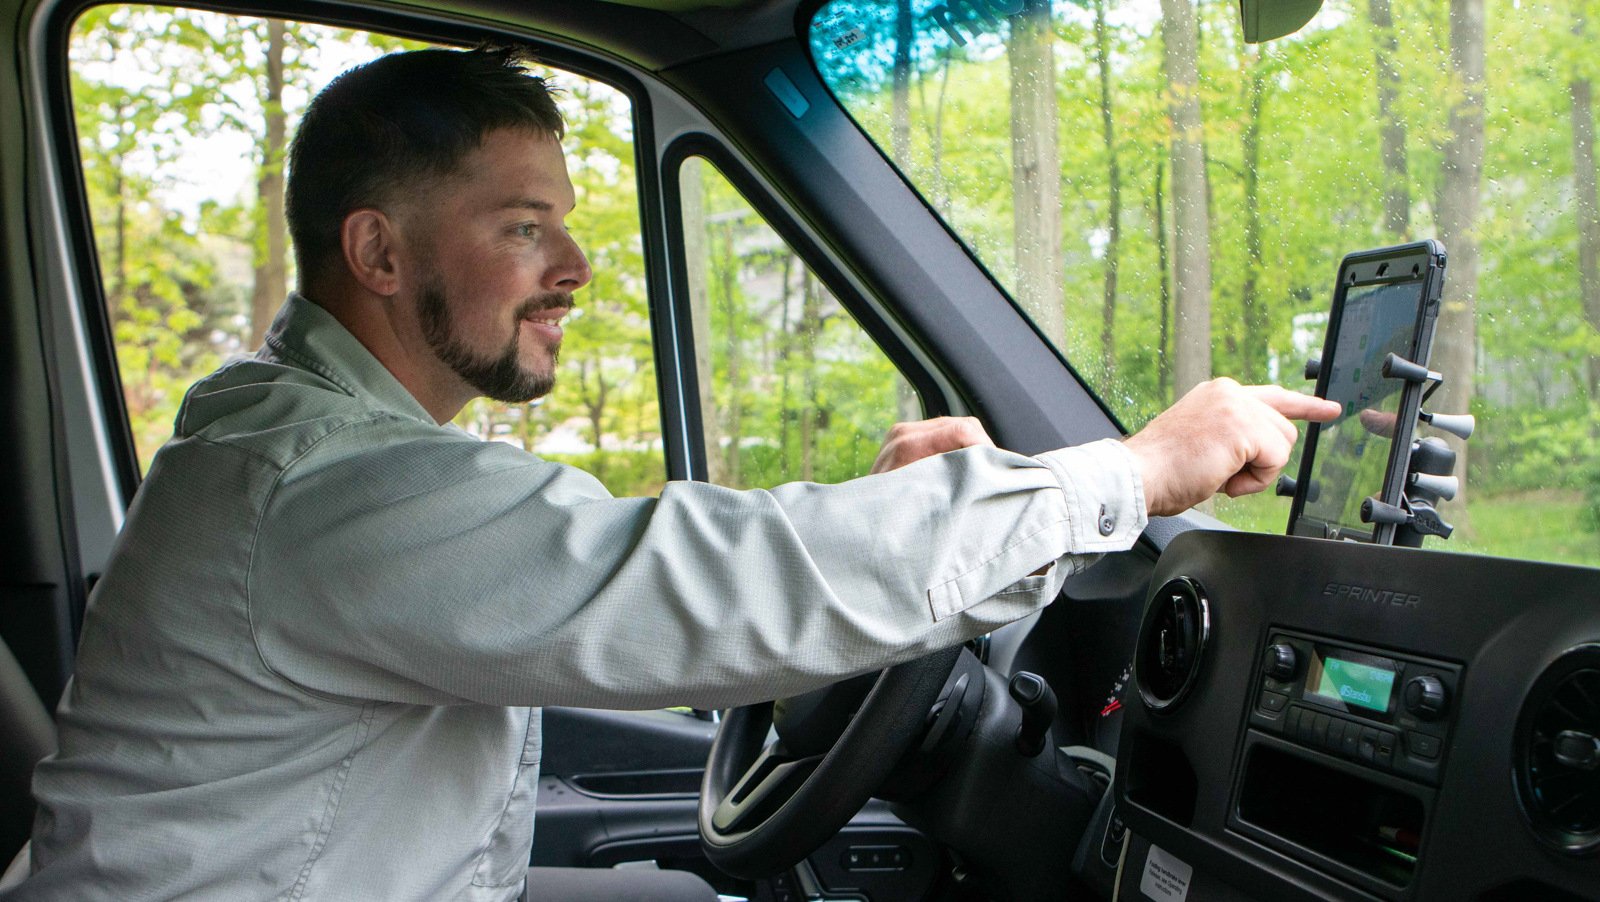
{"x":1305,"y":730}
{"x":1378,"y":708}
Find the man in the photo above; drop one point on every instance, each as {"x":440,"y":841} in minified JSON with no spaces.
{"x":313,"y":667}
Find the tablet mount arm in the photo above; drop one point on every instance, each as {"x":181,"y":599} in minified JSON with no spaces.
{"x":1428,"y":480}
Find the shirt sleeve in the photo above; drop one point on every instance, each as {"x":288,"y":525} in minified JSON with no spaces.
{"x":400,"y":563}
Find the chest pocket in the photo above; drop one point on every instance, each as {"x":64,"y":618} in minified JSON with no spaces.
{"x":504,"y":861}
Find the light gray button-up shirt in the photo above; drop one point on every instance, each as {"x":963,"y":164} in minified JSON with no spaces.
{"x":314,"y":665}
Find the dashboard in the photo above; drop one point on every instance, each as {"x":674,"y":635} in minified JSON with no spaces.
{"x":1331,"y":720}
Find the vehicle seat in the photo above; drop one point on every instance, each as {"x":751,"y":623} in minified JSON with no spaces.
{"x":27,"y":734}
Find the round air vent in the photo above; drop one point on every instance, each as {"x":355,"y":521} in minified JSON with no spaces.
{"x":1557,"y":752}
{"x":1171,"y":643}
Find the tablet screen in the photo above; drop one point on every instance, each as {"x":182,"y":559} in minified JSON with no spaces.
{"x":1353,"y":450}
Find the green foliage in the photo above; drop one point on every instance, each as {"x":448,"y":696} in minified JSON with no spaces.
{"x":799,"y":392}
{"x":628,"y":473}
{"x":152,"y":85}
{"x":1528,"y":448}
{"x":1315,"y":185}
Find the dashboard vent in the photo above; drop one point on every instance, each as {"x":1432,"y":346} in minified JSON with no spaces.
{"x":1557,"y":749}
{"x":1171,"y":642}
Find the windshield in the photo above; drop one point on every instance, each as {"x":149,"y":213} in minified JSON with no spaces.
{"x":1169,"y":203}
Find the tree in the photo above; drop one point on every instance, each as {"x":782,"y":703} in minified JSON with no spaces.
{"x":1392,"y":134}
{"x":1460,"y":196}
{"x":1253,"y":342}
{"x":1586,"y":205}
{"x":1036,"y":168}
{"x":1102,"y":54}
{"x":163,"y":294}
{"x":272,"y":267}
{"x":1164,"y":298}
{"x":1192,"y":232}
{"x":239,"y":70}
{"x":692,"y":203}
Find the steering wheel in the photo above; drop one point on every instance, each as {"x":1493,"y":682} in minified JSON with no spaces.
{"x":764,"y":809}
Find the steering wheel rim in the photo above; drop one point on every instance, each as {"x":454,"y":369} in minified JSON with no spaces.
{"x":761,"y":811}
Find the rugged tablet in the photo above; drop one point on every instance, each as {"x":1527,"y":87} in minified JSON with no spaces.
{"x":1384,"y":302}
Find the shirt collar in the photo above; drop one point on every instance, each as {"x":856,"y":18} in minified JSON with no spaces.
{"x":306,"y":336}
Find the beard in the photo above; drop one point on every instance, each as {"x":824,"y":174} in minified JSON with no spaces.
{"x":497,"y":376}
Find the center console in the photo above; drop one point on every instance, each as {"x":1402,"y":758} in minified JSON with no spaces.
{"x":1333,"y":720}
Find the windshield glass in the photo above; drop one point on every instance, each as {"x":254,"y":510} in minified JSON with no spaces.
{"x":1169,"y":203}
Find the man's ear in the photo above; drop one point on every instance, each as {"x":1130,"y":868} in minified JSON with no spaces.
{"x":372,"y":250}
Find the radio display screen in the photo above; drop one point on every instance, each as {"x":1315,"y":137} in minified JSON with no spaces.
{"x":1365,"y":684}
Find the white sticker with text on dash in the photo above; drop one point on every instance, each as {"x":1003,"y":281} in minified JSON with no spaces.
{"x":1166,"y":877}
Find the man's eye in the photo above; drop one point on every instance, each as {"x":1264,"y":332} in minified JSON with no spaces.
{"x":528,"y":229}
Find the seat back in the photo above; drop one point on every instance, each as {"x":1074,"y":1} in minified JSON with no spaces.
{"x":27,"y":734}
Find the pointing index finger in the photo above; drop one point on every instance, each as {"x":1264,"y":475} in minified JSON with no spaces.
{"x":1293,"y":404}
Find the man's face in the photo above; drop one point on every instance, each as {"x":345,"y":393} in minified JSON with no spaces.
{"x":496,"y":268}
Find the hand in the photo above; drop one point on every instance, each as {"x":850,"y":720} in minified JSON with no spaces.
{"x":909,"y":442}
{"x":1221,"y":436}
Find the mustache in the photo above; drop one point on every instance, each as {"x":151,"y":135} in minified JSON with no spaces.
{"x":550,"y":300}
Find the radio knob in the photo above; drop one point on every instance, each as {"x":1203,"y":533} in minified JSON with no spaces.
{"x":1282,"y":662}
{"x":1425,"y":696}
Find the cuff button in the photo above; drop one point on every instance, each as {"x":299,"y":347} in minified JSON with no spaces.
{"x":1107,"y":525}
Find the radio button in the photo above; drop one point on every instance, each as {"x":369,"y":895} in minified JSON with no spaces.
{"x":1291,"y":722}
{"x":1369,"y":744}
{"x":1422,"y":745}
{"x":1319,"y":732}
{"x":1274,"y":701}
{"x":1308,"y":724}
{"x":1334,"y":736}
{"x":1351,"y":748}
{"x":1386,"y":749}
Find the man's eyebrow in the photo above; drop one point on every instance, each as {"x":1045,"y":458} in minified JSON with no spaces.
{"x":528,"y":203}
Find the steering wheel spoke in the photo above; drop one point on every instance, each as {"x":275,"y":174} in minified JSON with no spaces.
{"x":767,"y":783}
{"x":760,"y":817}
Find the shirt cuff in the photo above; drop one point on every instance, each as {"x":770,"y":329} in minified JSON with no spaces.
{"x":1104,"y":494}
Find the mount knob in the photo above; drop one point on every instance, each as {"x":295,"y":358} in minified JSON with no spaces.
{"x":1425,"y":696}
{"x":1282,"y":663}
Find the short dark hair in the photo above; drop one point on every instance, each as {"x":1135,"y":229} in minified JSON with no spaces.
{"x":387,"y":126}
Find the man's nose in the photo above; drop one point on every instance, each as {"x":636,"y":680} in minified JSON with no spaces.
{"x":569,"y":270}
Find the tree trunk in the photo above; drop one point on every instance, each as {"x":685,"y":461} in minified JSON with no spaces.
{"x":1586,"y":205}
{"x":272,"y":274}
{"x":934,"y":124}
{"x":1253,"y":307}
{"x":1036,"y":169}
{"x":1192,"y":232}
{"x":692,"y":203}
{"x":785,"y":365}
{"x":119,"y":248}
{"x":808,"y":333}
{"x":1460,"y":188}
{"x":595,"y":405}
{"x":900,"y":116}
{"x":732,"y":417}
{"x":1164,"y":266}
{"x":1392,"y":128}
{"x":1108,"y":314}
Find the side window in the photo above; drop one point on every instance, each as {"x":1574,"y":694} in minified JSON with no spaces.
{"x":791,"y":387}
{"x":183,"y":121}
